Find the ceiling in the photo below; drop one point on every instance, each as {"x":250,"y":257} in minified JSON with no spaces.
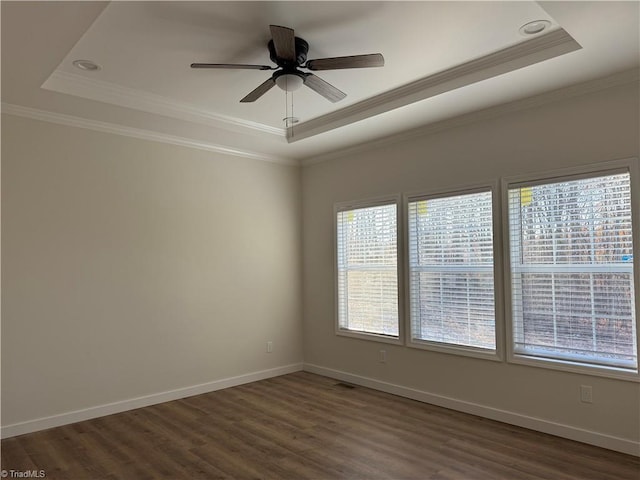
{"x":442,"y":60}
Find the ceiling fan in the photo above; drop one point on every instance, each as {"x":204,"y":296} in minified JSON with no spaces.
{"x":289,"y":53}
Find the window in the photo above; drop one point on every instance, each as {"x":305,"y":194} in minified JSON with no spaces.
{"x":367,"y":269}
{"x":451,"y":270}
{"x":571,"y":262}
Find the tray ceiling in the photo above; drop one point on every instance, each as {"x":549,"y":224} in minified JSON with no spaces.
{"x":441,"y":59}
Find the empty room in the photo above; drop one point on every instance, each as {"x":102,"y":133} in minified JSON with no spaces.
{"x":320,"y":240}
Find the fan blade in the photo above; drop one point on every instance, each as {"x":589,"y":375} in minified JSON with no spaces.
{"x":355,"y":61}
{"x":231,"y":65}
{"x":325,"y":89}
{"x":258,"y":92}
{"x":284,"y":41}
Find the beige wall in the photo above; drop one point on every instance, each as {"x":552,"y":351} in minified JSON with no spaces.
{"x":591,"y":128}
{"x":131,"y":268}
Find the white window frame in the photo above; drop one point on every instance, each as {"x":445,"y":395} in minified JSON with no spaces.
{"x":396,"y":200}
{"x":498,"y":353}
{"x":566,"y":174}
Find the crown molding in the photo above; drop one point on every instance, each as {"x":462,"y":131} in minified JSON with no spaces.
{"x":555,"y":43}
{"x":79,"y":122}
{"x":617,"y":79}
{"x":611,"y":81}
{"x":107,"y":92}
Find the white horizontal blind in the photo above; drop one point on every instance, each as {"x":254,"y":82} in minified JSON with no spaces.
{"x":572,"y":271}
{"x":367,"y":264}
{"x":451,"y":284}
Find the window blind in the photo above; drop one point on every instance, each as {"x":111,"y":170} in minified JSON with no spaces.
{"x":451,"y":284}
{"x":572,"y":271}
{"x":367,"y":265}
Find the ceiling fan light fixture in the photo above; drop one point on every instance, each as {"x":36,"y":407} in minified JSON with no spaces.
{"x":289,"y":53}
{"x":535,"y":27}
{"x":289,"y":82}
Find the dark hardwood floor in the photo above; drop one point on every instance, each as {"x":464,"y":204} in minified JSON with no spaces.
{"x":303,"y":426}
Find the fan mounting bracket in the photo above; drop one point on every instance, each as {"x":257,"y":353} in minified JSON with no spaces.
{"x":302,"y":47}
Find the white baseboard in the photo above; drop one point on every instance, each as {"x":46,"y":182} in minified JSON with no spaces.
{"x":133,"y":403}
{"x":566,"y":431}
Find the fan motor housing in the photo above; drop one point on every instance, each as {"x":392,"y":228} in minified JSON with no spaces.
{"x":302,"y":47}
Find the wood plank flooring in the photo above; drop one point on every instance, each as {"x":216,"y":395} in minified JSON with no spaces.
{"x":304,"y":426}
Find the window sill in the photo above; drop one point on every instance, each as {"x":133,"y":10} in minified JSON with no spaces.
{"x":452,"y":349}
{"x":375,"y":337}
{"x":575,"y":367}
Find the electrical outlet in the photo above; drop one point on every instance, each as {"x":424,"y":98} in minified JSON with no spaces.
{"x":586,"y":394}
{"x":269,"y":347}
{"x":383,"y":356}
